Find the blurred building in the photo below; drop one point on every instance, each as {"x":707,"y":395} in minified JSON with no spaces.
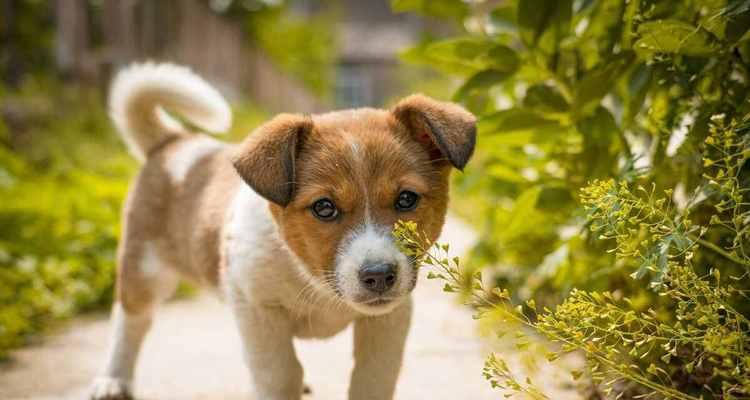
{"x":370,"y":37}
{"x":188,"y":32}
{"x":192,"y":32}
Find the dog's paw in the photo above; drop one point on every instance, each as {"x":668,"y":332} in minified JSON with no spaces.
{"x":107,"y":388}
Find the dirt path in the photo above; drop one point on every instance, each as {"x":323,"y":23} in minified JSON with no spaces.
{"x":193,"y":352}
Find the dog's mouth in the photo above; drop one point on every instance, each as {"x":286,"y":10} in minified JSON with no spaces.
{"x":376,"y":305}
{"x":379,"y":301}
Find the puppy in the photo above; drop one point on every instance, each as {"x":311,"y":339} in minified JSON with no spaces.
{"x":293,"y":226}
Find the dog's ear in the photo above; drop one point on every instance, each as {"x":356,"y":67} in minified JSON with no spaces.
{"x":265,"y":160}
{"x":447,"y":130}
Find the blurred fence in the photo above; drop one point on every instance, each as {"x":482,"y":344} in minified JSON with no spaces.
{"x":93,"y":39}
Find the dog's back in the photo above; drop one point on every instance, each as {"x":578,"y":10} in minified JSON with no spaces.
{"x":167,"y":223}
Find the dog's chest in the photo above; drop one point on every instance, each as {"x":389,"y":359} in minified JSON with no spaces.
{"x":321,"y":322}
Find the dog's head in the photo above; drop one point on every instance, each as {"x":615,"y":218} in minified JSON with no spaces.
{"x":338,"y":182}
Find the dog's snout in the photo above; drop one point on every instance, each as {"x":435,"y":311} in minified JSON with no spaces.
{"x":378,"y":277}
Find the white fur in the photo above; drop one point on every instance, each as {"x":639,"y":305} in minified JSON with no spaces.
{"x":140,"y":93}
{"x":355,"y":146}
{"x":105,"y":387}
{"x":128,"y":330}
{"x":258,"y":269}
{"x":250,"y":235}
{"x":187,"y":154}
{"x":246,"y":236}
{"x":370,"y":244}
{"x":162,"y":279}
{"x":149,"y":261}
{"x":127,"y":333}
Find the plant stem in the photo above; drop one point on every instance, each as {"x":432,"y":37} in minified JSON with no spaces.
{"x":721,"y":251}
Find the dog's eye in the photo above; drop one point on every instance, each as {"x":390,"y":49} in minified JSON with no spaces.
{"x":325,"y":210}
{"x":406,"y":201}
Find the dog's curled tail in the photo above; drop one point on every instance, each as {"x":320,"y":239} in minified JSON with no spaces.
{"x":141,"y":93}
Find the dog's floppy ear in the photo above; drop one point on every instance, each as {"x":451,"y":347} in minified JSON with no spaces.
{"x":446,"y":127}
{"x":265,"y":160}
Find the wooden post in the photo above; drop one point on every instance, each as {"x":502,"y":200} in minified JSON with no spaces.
{"x":72,"y":37}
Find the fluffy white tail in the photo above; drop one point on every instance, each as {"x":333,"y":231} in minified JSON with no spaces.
{"x":140,"y":94}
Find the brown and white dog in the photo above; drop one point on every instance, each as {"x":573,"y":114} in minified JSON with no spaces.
{"x":293,"y":225}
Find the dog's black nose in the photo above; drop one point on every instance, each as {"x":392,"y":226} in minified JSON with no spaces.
{"x":378,"y":277}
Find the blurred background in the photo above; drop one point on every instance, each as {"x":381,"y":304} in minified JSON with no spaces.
{"x":303,"y":55}
{"x":63,"y":170}
{"x":608,"y":192}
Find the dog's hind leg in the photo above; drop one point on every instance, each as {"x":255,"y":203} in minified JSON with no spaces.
{"x":144,"y":281}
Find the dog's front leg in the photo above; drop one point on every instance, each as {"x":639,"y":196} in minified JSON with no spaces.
{"x":269,"y":351}
{"x":378,"y":352}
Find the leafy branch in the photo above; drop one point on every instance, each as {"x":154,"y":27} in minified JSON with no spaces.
{"x":586,"y":322}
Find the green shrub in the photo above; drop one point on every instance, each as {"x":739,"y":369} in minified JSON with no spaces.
{"x":693,"y":345}
{"x":63,"y":176}
{"x":286,"y":39}
{"x":580,"y":95}
{"x":625,"y":94}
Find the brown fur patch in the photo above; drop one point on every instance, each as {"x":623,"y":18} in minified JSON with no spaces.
{"x":180,"y":223}
{"x":361,"y":160}
{"x":446,"y":127}
{"x":266,"y":160}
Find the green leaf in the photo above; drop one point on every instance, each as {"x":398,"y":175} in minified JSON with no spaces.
{"x":505,"y":173}
{"x":516,"y":126}
{"x":523,"y":212}
{"x":466,"y":49}
{"x":545,"y":99}
{"x":535,"y":17}
{"x":455,"y":9}
{"x":738,"y":28}
{"x":503,"y":63}
{"x":502,"y":58}
{"x":465,"y":55}
{"x":503,"y":20}
{"x":744,"y":50}
{"x":422,"y":56}
{"x":482,"y":80}
{"x":462,"y":55}
{"x":600,"y":143}
{"x":711,"y":20}
{"x":736,"y":20}
{"x":638,"y":83}
{"x":675,"y":37}
{"x":554,"y":197}
{"x":596,"y":83}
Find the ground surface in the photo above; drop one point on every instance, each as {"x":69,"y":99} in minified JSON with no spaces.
{"x":193,"y":353}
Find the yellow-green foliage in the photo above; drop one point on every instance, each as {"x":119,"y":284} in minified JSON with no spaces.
{"x":303,"y":46}
{"x":611,"y":158}
{"x":63,"y":176}
{"x":691,"y":345}
{"x":571,"y":91}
